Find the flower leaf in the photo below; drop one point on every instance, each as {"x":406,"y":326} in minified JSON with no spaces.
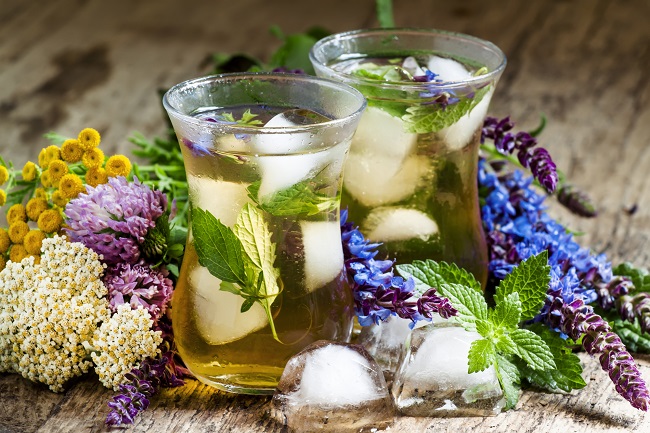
{"x":509,"y":378}
{"x":482,"y":354}
{"x":505,"y":345}
{"x":298,"y":200}
{"x":217,"y":247}
{"x":530,"y":279}
{"x":567,"y":374}
{"x":632,"y":336}
{"x":532,"y":349}
{"x":470,"y":304}
{"x":422,"y":119}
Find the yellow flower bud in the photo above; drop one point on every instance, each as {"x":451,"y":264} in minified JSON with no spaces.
{"x":33,"y":241}
{"x":71,"y":151}
{"x":89,"y":138}
{"x":96,"y":176}
{"x":35,"y":208}
{"x":29,"y":171}
{"x":118,"y":165}
{"x":3,"y":197}
{"x":4,"y":174}
{"x":16,"y":213}
{"x":57,"y":170}
{"x":17,"y":231}
{"x":5,"y":242}
{"x":93,"y":158}
{"x":17,"y":253}
{"x":50,"y":221}
{"x":71,"y":186}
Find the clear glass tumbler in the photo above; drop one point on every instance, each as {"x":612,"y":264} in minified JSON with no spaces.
{"x":264,"y":154}
{"x":410,"y":179}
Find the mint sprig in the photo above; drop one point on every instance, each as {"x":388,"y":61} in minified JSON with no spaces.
{"x":247,"y":119}
{"x":422,"y":119}
{"x":298,"y":200}
{"x":503,"y":340}
{"x":241,"y":257}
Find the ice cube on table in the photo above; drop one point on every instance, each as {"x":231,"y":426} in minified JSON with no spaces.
{"x":432,"y":379}
{"x":460,"y":134}
{"x":222,"y":199}
{"x":218,"y":317}
{"x":448,"y":69}
{"x":284,"y":157}
{"x":387,"y":224}
{"x":386,"y":340}
{"x":335,"y":387}
{"x":322,"y":251}
{"x":367,"y":178}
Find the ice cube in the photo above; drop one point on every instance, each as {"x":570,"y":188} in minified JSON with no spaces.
{"x":448,"y":69}
{"x":287,"y":159}
{"x":460,"y":133}
{"x":222,"y":199}
{"x":334,"y":387}
{"x":388,"y":224}
{"x":322,"y":251}
{"x":432,"y":378}
{"x":411,"y":65}
{"x":386,"y":340}
{"x":218,"y":317}
{"x":367,"y":178}
{"x":379,"y":133}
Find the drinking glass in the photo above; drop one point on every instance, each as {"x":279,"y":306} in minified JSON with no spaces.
{"x":264,"y":155}
{"x":410,"y":178}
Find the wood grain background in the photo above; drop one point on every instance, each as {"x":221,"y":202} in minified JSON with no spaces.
{"x":70,"y":64}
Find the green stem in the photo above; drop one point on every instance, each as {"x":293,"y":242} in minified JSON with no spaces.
{"x":385,"y":13}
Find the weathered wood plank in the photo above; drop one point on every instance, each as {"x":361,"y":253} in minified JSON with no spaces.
{"x":70,"y":64}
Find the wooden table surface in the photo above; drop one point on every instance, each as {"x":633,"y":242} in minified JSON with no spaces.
{"x":70,"y":64}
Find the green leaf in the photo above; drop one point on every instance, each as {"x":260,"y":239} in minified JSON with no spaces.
{"x":632,"y":336}
{"x":247,"y":304}
{"x":567,"y":374}
{"x":505,"y":345}
{"x":423,"y":119}
{"x":427,"y":274}
{"x":532,"y":349}
{"x":507,"y":313}
{"x":294,"y":53}
{"x":217,"y":247}
{"x":230,"y":287}
{"x":639,"y":276}
{"x":470,"y":304}
{"x":509,"y":378}
{"x":530,"y":279}
{"x":484,"y":327}
{"x":298,"y":200}
{"x":482,"y":354}
{"x":55,"y":138}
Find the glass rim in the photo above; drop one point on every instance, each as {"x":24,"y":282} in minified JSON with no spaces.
{"x":406,"y":86}
{"x":263,"y":76}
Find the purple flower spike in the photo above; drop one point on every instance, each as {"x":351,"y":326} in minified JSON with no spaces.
{"x":576,"y":319}
{"x":113,"y":219}
{"x":538,"y":160}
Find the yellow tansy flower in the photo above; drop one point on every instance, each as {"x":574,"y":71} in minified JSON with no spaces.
{"x":93,"y":158}
{"x":16,"y":213}
{"x":58,"y":199}
{"x":42,"y":159}
{"x":3,"y":197}
{"x":4,"y":241}
{"x":50,"y":221}
{"x":3,"y":262}
{"x":57,"y":170}
{"x":71,"y":150}
{"x":17,"y":231}
{"x":35,"y":208}
{"x":29,"y":171}
{"x":70,"y":186}
{"x":89,"y":138}
{"x":46,"y":181}
{"x":4,"y":174}
{"x":52,"y":153}
{"x":17,"y":253}
{"x":33,"y":241}
{"x":118,"y":165}
{"x":40,"y":193}
{"x":96,"y":176}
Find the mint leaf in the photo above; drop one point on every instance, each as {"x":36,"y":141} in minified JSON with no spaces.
{"x":532,"y":349}
{"x":422,"y":119}
{"x":297,"y":200}
{"x":530,"y":279}
{"x":217,"y":247}
{"x":230,"y":287}
{"x":567,"y":374}
{"x":484,"y":328}
{"x":639,"y":276}
{"x":470,"y":304}
{"x":509,"y":378}
{"x":427,"y":274}
{"x":507,"y":313}
{"x":505,"y":345}
{"x":482,"y":354}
